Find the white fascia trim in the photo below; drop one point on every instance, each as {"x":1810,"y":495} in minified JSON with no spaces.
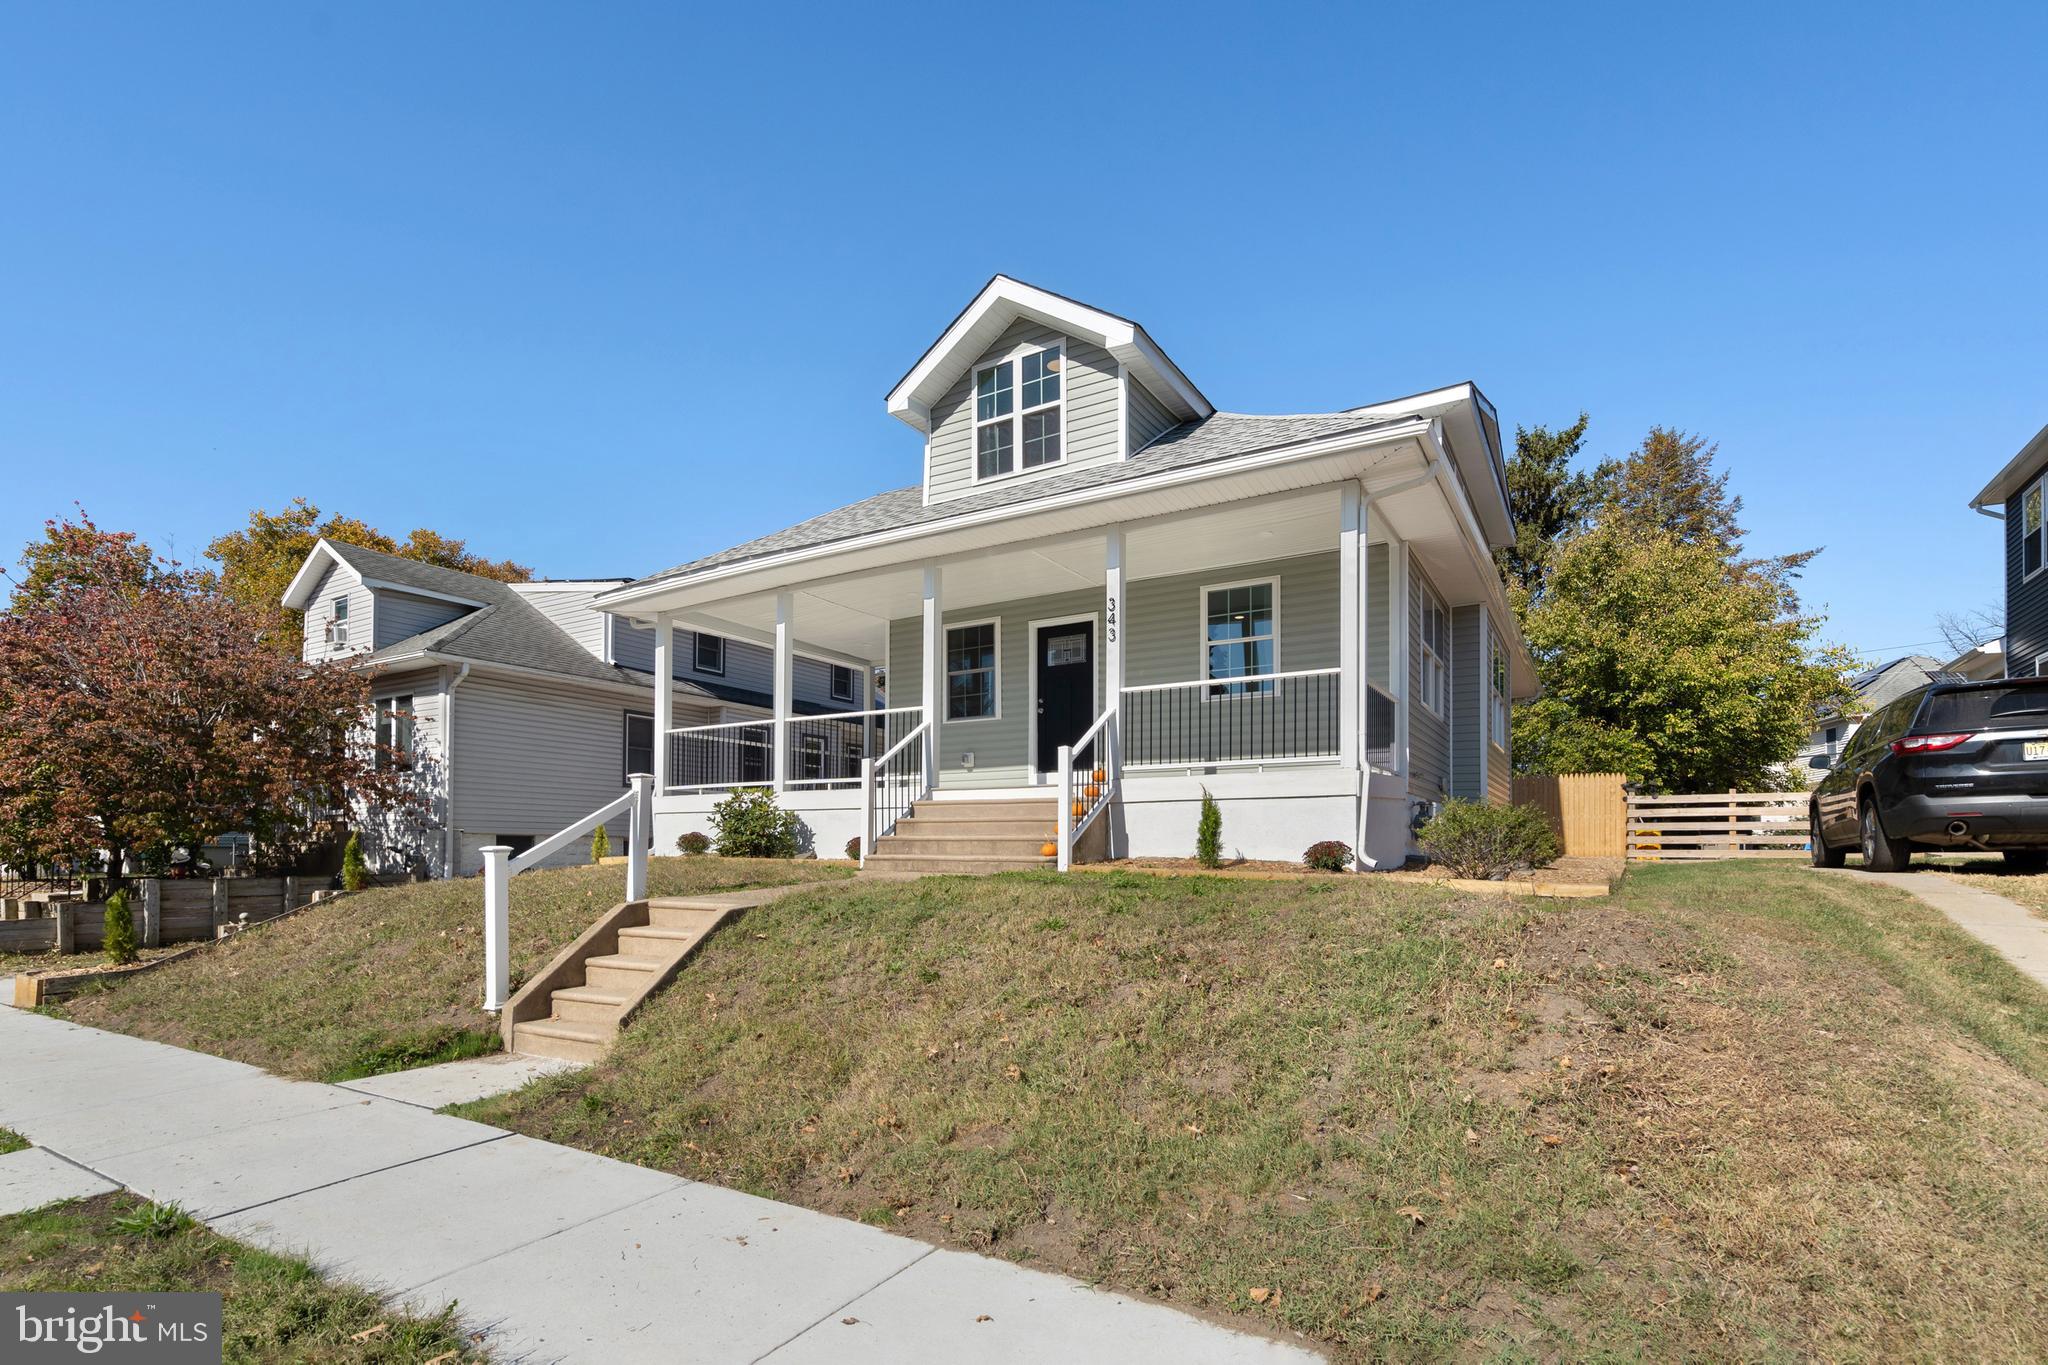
{"x":385,"y":585}
{"x":428,"y":656}
{"x":622,"y":599}
{"x":318,"y":560}
{"x":2013,"y":477}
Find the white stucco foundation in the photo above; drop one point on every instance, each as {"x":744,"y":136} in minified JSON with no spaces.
{"x":829,"y":818}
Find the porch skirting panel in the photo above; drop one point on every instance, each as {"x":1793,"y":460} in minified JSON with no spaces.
{"x":830,"y":818}
{"x":1267,"y":816}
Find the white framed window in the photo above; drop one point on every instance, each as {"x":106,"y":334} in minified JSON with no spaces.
{"x":1497,"y":727}
{"x":2039,"y":670}
{"x":638,"y":746}
{"x":1017,"y":412}
{"x":337,"y":624}
{"x":974,"y":672}
{"x":1240,"y":636}
{"x":2033,"y":529}
{"x":394,"y":733}
{"x":842,"y":683}
{"x":1432,"y":664}
{"x":708,"y":655}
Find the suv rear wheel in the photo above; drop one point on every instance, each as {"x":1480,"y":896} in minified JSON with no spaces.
{"x":1823,"y":855}
{"x":1881,"y":852}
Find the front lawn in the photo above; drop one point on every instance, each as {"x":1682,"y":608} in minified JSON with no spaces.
{"x":1736,"y":1111}
{"x":273,"y":1308}
{"x":387,"y":978}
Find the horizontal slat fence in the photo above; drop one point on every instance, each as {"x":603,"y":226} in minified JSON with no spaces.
{"x":189,"y":911}
{"x":1718,"y":825}
{"x":1588,"y":810}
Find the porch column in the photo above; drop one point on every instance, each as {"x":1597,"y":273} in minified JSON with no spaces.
{"x":664,"y":695}
{"x":1351,"y":514}
{"x":1400,"y":623}
{"x":1113,"y":620}
{"x":933,"y":661}
{"x":785,"y":683}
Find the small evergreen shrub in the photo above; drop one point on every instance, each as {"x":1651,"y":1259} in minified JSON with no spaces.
{"x":600,"y":845}
{"x":1488,"y":842}
{"x":853,"y":848}
{"x":120,"y":945}
{"x":355,"y":873}
{"x":1209,"y":832}
{"x":693,"y":843}
{"x":1330,"y":855}
{"x":749,"y":824}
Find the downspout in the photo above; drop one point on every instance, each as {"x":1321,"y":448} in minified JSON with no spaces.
{"x":1996,"y":514}
{"x":448,"y":839}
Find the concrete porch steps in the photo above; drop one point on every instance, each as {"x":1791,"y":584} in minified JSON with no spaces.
{"x":959,"y":837}
{"x":574,"y":1007}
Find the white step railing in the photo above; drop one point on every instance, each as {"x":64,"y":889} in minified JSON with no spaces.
{"x":501,"y":866}
{"x":895,"y":782}
{"x":1087,"y":782}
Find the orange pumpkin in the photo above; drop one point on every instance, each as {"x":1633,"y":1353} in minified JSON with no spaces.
{"x":1080,"y":809}
{"x":1048,"y":849}
{"x":1092,"y":792}
{"x":1101,"y":776}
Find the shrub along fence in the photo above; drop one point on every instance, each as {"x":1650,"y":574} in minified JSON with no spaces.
{"x":1588,"y":810}
{"x":1717,"y":825}
{"x":166,"y":910}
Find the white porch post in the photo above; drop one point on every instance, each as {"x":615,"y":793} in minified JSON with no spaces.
{"x":1350,"y":624}
{"x":664,"y":695}
{"x":785,"y":683}
{"x":497,"y":914}
{"x":1400,"y":622}
{"x":1112,"y":668}
{"x":640,"y":828}
{"x":933,"y":662}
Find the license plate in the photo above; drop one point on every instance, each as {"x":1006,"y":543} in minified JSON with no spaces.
{"x":2034,"y":749}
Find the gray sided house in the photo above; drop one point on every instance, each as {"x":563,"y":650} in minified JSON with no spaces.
{"x":1875,"y":687}
{"x":519,"y":707}
{"x":2019,"y":494}
{"x":1104,"y":597}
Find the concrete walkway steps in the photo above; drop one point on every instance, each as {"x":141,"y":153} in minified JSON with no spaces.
{"x":555,"y":1254}
{"x":970,"y":837}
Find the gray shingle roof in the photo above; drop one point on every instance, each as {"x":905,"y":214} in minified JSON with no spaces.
{"x":507,"y":629}
{"x":1218,"y":437}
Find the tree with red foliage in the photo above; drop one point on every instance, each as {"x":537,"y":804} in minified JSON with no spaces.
{"x":140,"y":710}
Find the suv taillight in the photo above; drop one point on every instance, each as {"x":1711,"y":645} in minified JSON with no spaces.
{"x":1926,"y":744}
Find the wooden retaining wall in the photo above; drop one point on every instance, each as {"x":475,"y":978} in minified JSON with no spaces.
{"x":1589,"y":811}
{"x":1718,"y":825}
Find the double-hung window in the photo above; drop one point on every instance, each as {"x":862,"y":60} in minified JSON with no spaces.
{"x":1434,"y":683}
{"x":2033,"y":530}
{"x":708,"y":655}
{"x":971,"y":672}
{"x":842,"y":683}
{"x":1497,"y":727}
{"x":394,"y":733}
{"x":1240,"y":638}
{"x":337,"y":624}
{"x":1017,"y":412}
{"x":810,"y":758}
{"x":639,"y":746}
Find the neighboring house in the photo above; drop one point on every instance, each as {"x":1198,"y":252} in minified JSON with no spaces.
{"x":1875,"y":687}
{"x":1979,"y":663}
{"x":2019,"y":495}
{"x":1299,"y":614}
{"x":518,"y":706}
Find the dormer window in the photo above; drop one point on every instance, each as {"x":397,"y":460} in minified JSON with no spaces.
{"x":1017,"y":411}
{"x":337,"y":624}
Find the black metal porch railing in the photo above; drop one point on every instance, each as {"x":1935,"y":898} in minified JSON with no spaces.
{"x":740,"y":754}
{"x":1274,"y":718}
{"x":826,"y":751}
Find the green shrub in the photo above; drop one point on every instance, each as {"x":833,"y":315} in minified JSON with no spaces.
{"x":693,"y":843}
{"x":120,"y":944}
{"x":1330,"y":855}
{"x":600,"y":845}
{"x":355,"y":873}
{"x":750,"y":825}
{"x":1488,"y":842}
{"x":853,"y":848}
{"x":1209,"y":832}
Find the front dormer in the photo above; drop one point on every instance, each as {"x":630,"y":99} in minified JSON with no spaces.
{"x":1026,"y":385}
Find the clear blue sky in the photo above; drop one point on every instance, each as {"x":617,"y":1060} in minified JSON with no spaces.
{"x":602,"y":288}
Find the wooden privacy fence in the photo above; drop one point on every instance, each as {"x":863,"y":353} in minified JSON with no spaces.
{"x":1718,"y":825}
{"x":1588,"y":810}
{"x":166,"y":910}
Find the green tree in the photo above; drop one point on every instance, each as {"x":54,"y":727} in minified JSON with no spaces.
{"x":120,"y":944}
{"x":1209,"y":832}
{"x":1550,"y":502}
{"x":600,"y":845}
{"x":355,"y":870}
{"x":257,"y":563}
{"x":1665,"y":658}
{"x":1669,"y":484}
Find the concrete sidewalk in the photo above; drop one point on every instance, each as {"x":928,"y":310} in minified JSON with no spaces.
{"x":2019,"y":935}
{"x":558,"y":1254}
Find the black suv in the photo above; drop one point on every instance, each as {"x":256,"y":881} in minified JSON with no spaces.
{"x":1957,"y":765}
